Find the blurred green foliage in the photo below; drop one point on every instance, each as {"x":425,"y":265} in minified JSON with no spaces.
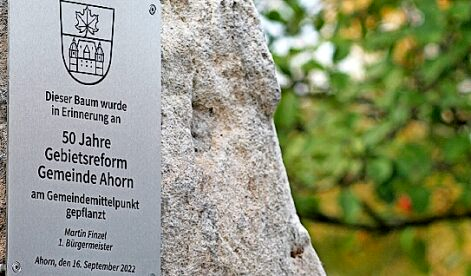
{"x":375,"y":118}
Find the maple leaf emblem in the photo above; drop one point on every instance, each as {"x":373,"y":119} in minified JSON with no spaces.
{"x":86,"y":22}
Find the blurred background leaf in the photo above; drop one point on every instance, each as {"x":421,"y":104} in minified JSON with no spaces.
{"x":375,"y":129}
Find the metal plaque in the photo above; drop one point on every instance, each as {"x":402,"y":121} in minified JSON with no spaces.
{"x":84,"y":138}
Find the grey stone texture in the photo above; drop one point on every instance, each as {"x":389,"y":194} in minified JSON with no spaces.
{"x":226,"y":202}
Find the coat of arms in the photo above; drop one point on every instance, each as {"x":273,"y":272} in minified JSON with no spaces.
{"x":87,"y":40}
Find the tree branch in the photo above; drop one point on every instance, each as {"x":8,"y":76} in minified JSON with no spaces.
{"x":376,"y":217}
{"x":388,"y":227}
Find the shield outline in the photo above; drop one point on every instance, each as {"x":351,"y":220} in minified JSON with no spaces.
{"x":62,"y":40}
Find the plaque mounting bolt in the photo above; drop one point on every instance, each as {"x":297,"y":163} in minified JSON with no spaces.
{"x":152,"y":9}
{"x":16,"y":267}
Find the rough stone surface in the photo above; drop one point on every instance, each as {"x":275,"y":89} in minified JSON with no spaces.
{"x":226,"y":203}
{"x":3,"y":123}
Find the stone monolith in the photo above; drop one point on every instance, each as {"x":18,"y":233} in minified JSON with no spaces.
{"x":226,"y":202}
